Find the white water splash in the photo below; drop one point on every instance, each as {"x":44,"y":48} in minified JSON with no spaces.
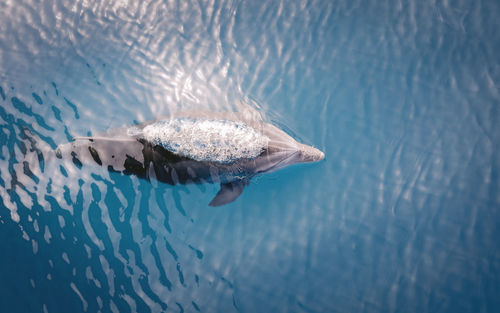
{"x":200,"y":139}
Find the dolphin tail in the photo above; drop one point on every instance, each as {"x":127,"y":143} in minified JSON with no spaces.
{"x":228,"y":192}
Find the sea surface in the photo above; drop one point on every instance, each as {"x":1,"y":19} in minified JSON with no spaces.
{"x":403,"y":215}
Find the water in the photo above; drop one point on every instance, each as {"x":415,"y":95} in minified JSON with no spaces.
{"x":402,"y":216}
{"x":202,"y":139}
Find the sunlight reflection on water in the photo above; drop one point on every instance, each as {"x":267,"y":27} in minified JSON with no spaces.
{"x":402,"y":97}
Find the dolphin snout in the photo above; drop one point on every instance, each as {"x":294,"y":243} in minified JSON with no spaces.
{"x":310,"y":154}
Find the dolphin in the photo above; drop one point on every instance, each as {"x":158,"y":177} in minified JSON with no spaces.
{"x":186,"y":148}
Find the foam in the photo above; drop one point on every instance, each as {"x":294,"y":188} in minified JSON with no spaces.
{"x":202,"y":139}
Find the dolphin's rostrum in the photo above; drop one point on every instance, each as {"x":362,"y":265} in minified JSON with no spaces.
{"x":194,"y":148}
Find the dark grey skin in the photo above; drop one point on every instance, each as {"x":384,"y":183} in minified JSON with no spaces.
{"x":133,"y":155}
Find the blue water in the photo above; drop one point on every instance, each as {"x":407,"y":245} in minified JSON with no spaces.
{"x":402,"y":216}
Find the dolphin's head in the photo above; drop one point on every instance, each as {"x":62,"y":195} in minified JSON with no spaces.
{"x":283,"y":150}
{"x":281,"y":141}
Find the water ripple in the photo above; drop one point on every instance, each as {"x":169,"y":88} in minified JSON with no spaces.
{"x":403,"y":96}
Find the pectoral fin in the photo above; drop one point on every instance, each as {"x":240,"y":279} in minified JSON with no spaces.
{"x":228,"y":193}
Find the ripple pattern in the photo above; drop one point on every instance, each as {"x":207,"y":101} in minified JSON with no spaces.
{"x":403,"y":215}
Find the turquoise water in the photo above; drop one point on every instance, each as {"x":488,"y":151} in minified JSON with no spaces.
{"x":402,"y":216}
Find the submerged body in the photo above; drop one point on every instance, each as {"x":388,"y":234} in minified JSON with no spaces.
{"x":194,"y":149}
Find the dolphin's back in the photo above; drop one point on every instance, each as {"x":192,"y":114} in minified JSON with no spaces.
{"x":147,"y":160}
{"x":201,"y":139}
